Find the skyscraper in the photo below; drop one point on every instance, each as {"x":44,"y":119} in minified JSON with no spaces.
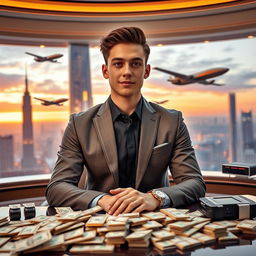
{"x":247,"y":130}
{"x":232,"y":128}
{"x":249,"y":151}
{"x":6,"y":153}
{"x":80,"y":79}
{"x":28,"y":159}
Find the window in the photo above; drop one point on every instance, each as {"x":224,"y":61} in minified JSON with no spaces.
{"x":205,"y":108}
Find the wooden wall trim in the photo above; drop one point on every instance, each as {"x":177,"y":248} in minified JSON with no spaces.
{"x":34,"y":186}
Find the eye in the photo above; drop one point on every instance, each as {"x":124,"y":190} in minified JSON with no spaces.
{"x":118,"y":64}
{"x":136,"y":64}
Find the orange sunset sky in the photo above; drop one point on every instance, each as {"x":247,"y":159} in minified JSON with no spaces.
{"x":51,"y":80}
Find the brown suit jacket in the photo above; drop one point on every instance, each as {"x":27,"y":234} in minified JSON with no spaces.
{"x":89,"y":141}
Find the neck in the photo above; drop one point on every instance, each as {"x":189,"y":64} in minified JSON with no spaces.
{"x":126,"y":104}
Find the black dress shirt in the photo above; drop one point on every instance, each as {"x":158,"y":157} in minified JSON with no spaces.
{"x":127,"y":134}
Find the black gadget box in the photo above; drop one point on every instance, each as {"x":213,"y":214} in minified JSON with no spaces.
{"x":228,"y":207}
{"x":239,"y":168}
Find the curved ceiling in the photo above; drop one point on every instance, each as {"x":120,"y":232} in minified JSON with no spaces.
{"x":58,"y":23}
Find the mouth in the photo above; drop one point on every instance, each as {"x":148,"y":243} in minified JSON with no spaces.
{"x":126,"y":83}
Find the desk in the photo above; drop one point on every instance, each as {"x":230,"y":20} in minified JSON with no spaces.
{"x":246,"y":246}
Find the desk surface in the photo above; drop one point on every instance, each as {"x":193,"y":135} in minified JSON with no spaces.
{"x":245,"y":246}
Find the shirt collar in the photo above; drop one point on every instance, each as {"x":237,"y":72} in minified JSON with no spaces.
{"x":115,"y":111}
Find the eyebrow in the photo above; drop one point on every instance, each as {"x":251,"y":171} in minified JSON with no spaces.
{"x":133,"y":59}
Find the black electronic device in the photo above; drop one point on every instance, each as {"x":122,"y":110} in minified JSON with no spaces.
{"x":29,"y":210}
{"x":228,"y":207}
{"x":239,"y":168}
{"x":14,"y":212}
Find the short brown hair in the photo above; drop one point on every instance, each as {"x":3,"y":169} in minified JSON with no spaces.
{"x":132,"y":35}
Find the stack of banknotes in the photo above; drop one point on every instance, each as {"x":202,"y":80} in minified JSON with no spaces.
{"x":94,"y":232}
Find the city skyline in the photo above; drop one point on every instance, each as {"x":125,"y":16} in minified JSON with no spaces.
{"x":205,"y":108}
{"x":50,"y":80}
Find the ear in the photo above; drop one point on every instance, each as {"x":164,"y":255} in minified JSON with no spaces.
{"x":105,"y":71}
{"x":147,"y":71}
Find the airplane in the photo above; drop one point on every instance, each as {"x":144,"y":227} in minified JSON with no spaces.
{"x":51,"y":58}
{"x":182,"y":79}
{"x":161,"y":102}
{"x":53,"y":102}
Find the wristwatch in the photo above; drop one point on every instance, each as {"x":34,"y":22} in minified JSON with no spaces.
{"x":159,"y":195}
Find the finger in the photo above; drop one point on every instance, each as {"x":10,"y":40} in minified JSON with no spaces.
{"x":133,"y":205}
{"x":116,"y":190}
{"x":117,"y":203}
{"x":140,"y":209}
{"x":127,"y":206}
{"x":121,"y":208}
{"x":120,"y":190}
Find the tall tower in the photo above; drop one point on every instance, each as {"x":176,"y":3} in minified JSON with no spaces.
{"x":247,"y":130}
{"x":80,"y":79}
{"x":232,"y":128}
{"x":28,"y":159}
{"x":6,"y":153}
{"x":249,"y":153}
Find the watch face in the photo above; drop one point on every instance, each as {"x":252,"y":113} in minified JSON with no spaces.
{"x":159,"y":194}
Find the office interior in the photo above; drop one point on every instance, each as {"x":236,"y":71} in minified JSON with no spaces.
{"x":76,"y":27}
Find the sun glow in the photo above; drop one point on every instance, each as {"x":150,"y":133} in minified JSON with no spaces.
{"x":45,"y":116}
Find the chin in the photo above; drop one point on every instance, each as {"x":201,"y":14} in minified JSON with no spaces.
{"x":126,"y":93}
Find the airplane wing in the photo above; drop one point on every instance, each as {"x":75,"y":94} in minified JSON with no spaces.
{"x":46,"y":101}
{"x":32,"y":54}
{"x":172,"y":73}
{"x":205,"y":82}
{"x":54,"y":61}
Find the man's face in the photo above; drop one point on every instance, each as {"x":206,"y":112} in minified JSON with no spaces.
{"x":126,"y":69}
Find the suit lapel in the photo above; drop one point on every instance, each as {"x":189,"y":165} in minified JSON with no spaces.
{"x":105,"y":131}
{"x":149,"y":126}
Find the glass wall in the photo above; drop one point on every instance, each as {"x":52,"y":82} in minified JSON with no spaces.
{"x":205,"y":108}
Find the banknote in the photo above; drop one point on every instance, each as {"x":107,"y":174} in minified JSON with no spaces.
{"x":55,"y":242}
{"x":4,"y":240}
{"x":33,"y":241}
{"x":74,"y":233}
{"x":92,"y":249}
{"x":63,"y":210}
{"x":96,"y":221}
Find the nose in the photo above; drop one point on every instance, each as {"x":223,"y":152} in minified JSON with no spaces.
{"x":127,"y":70}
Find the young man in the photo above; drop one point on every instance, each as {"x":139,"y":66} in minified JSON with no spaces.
{"x":126,"y":144}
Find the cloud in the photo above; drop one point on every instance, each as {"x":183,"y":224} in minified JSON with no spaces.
{"x":49,"y":66}
{"x":183,"y":63}
{"x":48,"y":86}
{"x":15,"y":81}
{"x":11,"y":53}
{"x":10,"y":107}
{"x":10,"y":80}
{"x":13,"y":64}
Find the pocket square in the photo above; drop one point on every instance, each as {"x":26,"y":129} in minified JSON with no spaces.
{"x":160,"y":145}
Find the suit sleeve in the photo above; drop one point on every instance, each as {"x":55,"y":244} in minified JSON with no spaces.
{"x":189,"y":183}
{"x":63,"y":189}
